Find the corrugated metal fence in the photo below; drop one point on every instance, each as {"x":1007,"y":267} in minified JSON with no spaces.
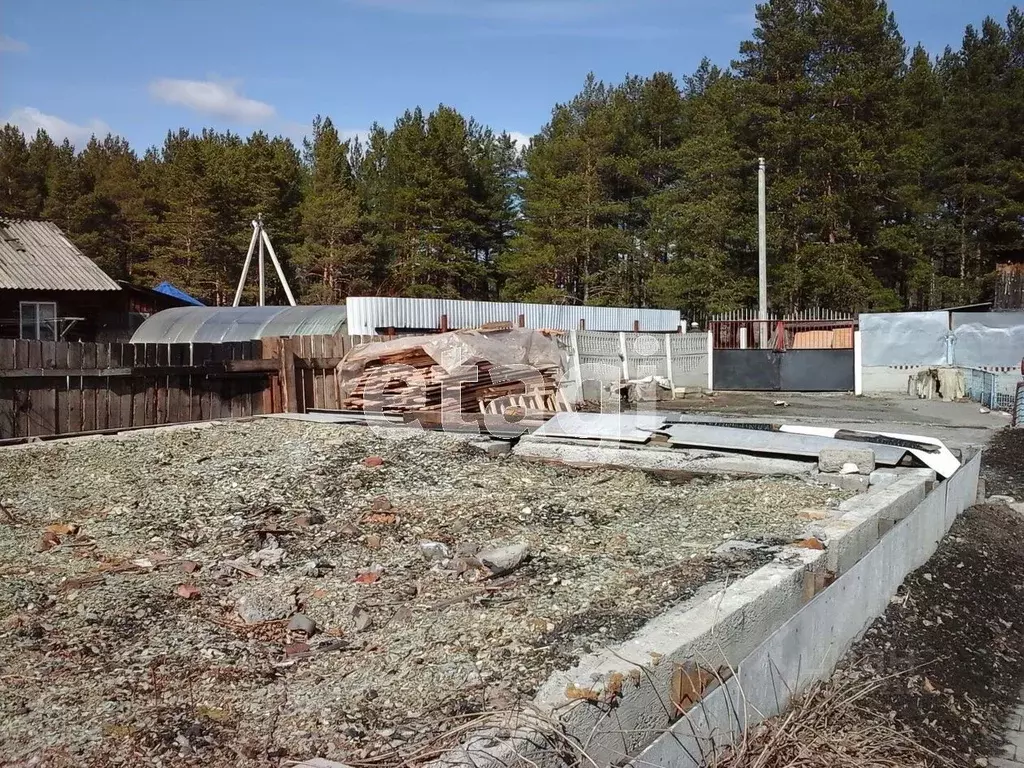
{"x":368,"y":315}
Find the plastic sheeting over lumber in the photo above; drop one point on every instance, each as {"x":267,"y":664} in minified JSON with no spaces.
{"x":459,"y":370}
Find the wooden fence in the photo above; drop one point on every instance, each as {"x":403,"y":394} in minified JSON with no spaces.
{"x":57,"y":387}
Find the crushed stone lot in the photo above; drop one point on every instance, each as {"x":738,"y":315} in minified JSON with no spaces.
{"x":254,"y":592}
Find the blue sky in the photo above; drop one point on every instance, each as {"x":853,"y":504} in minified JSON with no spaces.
{"x":140,"y":67}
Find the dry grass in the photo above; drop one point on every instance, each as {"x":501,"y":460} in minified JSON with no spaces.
{"x":826,"y":727}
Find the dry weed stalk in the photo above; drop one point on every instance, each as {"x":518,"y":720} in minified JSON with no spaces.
{"x":825,"y":728}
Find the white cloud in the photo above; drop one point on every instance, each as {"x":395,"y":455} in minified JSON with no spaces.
{"x":211,"y":98}
{"x":10,"y":45}
{"x":30,"y":119}
{"x":522,"y":140}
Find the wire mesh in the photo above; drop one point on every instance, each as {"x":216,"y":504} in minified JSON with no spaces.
{"x":997,"y":391}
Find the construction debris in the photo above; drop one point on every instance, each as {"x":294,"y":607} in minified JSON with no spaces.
{"x":458,"y":372}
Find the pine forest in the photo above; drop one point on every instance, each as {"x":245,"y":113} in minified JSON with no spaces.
{"x":895,"y":181}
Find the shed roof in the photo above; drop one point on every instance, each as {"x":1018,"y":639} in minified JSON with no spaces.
{"x":35,"y":255}
{"x":172,"y":290}
{"x":216,"y":324}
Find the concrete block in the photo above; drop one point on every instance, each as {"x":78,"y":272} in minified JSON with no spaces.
{"x":493,"y":447}
{"x":852,"y":535}
{"x":833,"y":459}
{"x":880,"y":478}
{"x":713,"y":629}
{"x":858,"y":483}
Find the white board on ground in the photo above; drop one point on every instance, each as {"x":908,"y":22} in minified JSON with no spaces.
{"x":626,"y":427}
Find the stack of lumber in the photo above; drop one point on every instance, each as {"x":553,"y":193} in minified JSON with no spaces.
{"x":411,"y":380}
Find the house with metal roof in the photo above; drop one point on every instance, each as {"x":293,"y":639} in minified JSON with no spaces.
{"x":51,"y":291}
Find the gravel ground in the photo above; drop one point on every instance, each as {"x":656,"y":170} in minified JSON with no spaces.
{"x":252,"y":592}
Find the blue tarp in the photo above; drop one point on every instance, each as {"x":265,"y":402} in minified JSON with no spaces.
{"x":171,"y":290}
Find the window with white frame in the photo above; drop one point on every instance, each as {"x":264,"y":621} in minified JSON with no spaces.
{"x":39,"y":320}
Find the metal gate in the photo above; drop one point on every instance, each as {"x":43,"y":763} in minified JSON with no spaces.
{"x":783,"y":355}
{"x":798,"y":370}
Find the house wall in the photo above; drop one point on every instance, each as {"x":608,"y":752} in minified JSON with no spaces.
{"x":104,"y":314}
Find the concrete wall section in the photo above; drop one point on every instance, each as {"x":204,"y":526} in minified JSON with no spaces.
{"x":876,"y":379}
{"x":719,"y":630}
{"x":808,"y":646}
{"x":988,"y":340}
{"x":904,"y":338}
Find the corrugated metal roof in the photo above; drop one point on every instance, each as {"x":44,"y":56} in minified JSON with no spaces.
{"x":367,"y":314}
{"x":35,"y":255}
{"x":216,"y":324}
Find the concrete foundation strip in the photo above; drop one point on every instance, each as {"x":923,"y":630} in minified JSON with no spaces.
{"x":780,"y":628}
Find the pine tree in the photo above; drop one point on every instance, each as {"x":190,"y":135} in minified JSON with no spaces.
{"x":908,"y":243}
{"x":333,"y":260}
{"x":981,"y":156}
{"x":19,"y":185}
{"x":438,"y":198}
{"x":823,"y":102}
{"x":570,"y":241}
{"x":708,"y":213}
{"x":187,"y":233}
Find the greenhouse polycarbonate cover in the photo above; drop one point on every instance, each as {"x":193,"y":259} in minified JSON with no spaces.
{"x":217,"y":324}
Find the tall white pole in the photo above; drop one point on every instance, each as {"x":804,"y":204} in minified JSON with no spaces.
{"x":762,"y":255}
{"x":277,"y":266}
{"x":263,"y":278}
{"x":248,"y":260}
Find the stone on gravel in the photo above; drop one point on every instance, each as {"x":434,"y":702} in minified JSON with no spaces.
{"x":833,"y":459}
{"x":434,"y":550}
{"x":302,"y":623}
{"x":257,"y":608}
{"x":503,"y":559}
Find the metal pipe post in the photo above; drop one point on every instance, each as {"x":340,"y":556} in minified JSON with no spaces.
{"x":263,"y":276}
{"x":762,"y":253}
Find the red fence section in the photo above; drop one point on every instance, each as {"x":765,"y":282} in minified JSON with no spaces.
{"x":781,"y":335}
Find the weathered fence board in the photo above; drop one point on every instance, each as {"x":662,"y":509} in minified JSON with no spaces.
{"x":54,"y":388}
